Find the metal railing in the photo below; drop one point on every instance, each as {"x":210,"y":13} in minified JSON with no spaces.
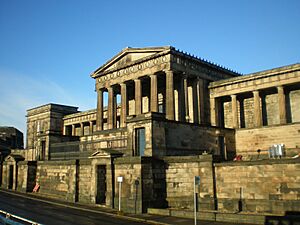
{"x":11,"y":219}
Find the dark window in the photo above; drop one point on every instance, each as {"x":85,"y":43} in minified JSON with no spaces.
{"x":140,"y":141}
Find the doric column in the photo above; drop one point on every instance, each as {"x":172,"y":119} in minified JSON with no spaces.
{"x":99,"y":115}
{"x":123,"y":105}
{"x":153,"y":93}
{"x":281,"y":104}
{"x":234,"y":111}
{"x":115,"y":111}
{"x":195,"y":101}
{"x":214,"y":112}
{"x":110,"y":108}
{"x":73,"y":129}
{"x":138,"y":96}
{"x":186,"y":98}
{"x":169,"y":95}
{"x":200,"y":92}
{"x":91,"y":128}
{"x":64,"y":130}
{"x":81,"y":129}
{"x":257,"y":109}
{"x":181,"y":102}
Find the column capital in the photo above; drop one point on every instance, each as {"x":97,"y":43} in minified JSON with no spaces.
{"x":184,"y":75}
{"x":280,"y":87}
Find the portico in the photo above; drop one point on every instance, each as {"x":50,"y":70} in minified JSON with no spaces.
{"x":159,"y":81}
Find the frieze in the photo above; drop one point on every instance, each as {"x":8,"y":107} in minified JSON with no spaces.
{"x":260,"y":83}
{"x":196,"y":66}
{"x":134,"y":68}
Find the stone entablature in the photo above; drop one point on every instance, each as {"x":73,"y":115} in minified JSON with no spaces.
{"x":85,"y":116}
{"x":51,"y":107}
{"x":166,"y":58}
{"x":259,"y":99}
{"x":256,"y":81}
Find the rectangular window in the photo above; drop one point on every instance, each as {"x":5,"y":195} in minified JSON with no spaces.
{"x":140,"y":141}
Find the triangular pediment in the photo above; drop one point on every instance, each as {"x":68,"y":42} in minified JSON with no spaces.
{"x":105,"y":153}
{"x":128,"y":56}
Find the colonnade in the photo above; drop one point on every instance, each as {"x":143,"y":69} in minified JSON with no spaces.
{"x":71,"y":129}
{"x":215,"y":107}
{"x":164,"y":83}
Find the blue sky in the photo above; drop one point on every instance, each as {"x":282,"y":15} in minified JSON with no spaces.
{"x":48,"y":48}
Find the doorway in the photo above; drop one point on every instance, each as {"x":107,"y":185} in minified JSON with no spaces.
{"x":101,"y":184}
{"x":10,"y":176}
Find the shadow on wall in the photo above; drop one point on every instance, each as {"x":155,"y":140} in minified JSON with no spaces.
{"x":290,"y":218}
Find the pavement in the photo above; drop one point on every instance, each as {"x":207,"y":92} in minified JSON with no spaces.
{"x":77,"y":213}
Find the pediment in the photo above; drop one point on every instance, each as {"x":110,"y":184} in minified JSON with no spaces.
{"x":105,"y":153}
{"x":128,"y":56}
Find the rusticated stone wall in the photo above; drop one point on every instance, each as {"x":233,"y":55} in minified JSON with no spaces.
{"x":57,"y":178}
{"x":84,"y":181}
{"x":179,"y":177}
{"x":26,"y":176}
{"x":271,"y":186}
{"x":131,"y":193}
{"x":248,"y":141}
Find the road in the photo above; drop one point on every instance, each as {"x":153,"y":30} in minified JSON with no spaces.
{"x":46,"y":213}
{"x":56,"y":212}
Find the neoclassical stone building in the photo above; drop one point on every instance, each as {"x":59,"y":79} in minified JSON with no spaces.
{"x":163,"y":117}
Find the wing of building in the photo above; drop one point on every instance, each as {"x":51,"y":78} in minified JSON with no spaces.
{"x":169,"y":117}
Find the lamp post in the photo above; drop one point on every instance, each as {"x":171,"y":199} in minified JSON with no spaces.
{"x":196,"y":183}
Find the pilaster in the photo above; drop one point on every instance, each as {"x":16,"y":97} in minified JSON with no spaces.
{"x":281,"y":104}
{"x":257,"y":109}
{"x":81,"y":129}
{"x":234,"y":111}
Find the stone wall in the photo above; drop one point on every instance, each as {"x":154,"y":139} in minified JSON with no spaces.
{"x":130,"y":169}
{"x":179,"y":178}
{"x":57,"y":179}
{"x":248,"y":141}
{"x":84,"y":182}
{"x":110,"y":139}
{"x":269,"y":186}
{"x":4,"y":176}
{"x":26,"y":176}
{"x":187,"y":139}
{"x":1,"y":171}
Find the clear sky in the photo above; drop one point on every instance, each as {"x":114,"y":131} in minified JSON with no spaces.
{"x":48,"y":48}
